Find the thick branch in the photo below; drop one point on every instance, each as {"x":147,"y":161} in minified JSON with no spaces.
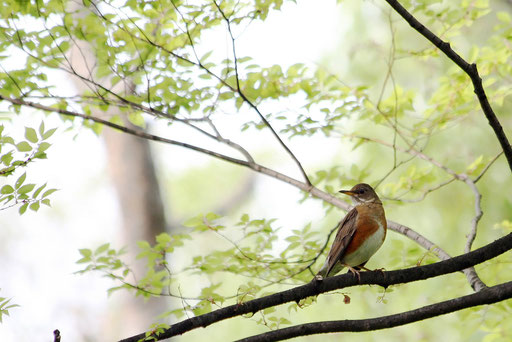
{"x":488,"y":296}
{"x":469,"y":69}
{"x":470,"y":272}
{"x":314,"y":288}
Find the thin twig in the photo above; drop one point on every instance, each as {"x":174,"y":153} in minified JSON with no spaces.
{"x":251,"y":104}
{"x":314,"y":191}
{"x":470,"y":69}
{"x":487,"y":167}
{"x":423,"y":194}
{"x":471,"y":275}
{"x":135,"y":132}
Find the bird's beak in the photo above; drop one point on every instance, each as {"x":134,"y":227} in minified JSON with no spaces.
{"x":347,"y":192}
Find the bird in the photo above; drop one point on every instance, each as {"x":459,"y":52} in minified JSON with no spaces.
{"x":360,"y":233}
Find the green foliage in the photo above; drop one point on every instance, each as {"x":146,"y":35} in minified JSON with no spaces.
{"x":154,"y":331}
{"x":106,"y":260}
{"x":411,"y":139}
{"x":17,"y":154}
{"x":145,"y":43}
{"x":5,"y":306}
{"x":250,"y":256}
{"x":409,"y":115}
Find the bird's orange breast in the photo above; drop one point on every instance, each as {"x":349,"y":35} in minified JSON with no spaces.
{"x":369,"y":235}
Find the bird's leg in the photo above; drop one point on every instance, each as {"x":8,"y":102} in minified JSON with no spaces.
{"x":381,"y":270}
{"x":354,"y":272}
{"x":364,"y":268}
{"x":361,"y":267}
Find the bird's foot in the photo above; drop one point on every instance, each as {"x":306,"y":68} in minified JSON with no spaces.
{"x":381,"y":270}
{"x":354,"y":272}
{"x":364,"y":268}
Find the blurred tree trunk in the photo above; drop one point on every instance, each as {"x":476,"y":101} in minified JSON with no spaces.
{"x":132,"y":172}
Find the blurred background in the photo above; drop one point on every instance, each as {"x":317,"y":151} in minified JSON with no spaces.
{"x":119,"y":189}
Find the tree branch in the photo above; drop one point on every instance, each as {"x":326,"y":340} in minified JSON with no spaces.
{"x":314,"y":288}
{"x":135,"y":132}
{"x":251,"y":104}
{"x":470,"y":272}
{"x":488,"y":296}
{"x":397,"y":227}
{"x":473,"y":279}
{"x":470,"y":69}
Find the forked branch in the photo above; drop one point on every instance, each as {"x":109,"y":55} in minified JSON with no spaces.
{"x":314,"y":191}
{"x":251,"y":103}
{"x":315,"y":288}
{"x":470,"y":69}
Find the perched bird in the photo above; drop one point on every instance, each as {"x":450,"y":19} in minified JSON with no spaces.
{"x":360,"y":234}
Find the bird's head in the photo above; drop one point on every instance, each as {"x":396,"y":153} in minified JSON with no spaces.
{"x":362,"y":193}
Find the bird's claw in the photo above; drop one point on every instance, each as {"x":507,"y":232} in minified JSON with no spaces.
{"x":355,"y":272}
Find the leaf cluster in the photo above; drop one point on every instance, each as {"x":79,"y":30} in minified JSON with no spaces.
{"x":16,"y":154}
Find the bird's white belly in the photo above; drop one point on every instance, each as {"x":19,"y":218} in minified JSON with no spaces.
{"x":366,"y":250}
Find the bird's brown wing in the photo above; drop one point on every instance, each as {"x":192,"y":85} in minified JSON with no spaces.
{"x":346,"y":230}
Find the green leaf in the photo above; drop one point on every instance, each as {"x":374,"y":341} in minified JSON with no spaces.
{"x":40,"y":155}
{"x":23,"y":208}
{"x":7,"y":198}
{"x":475,"y":164}
{"x":137,"y":119}
{"x":34,"y":206}
{"x":31,"y":134}
{"x":48,"y":192}
{"x":102,"y":248}
{"x":212,"y":216}
{"x":38,"y":190}
{"x":49,"y":133}
{"x":23,"y":146}
{"x":184,"y":62}
{"x":20,"y":180}
{"x":205,"y":56}
{"x":26,"y":188}
{"x":85,"y":252}
{"x":142,"y":244}
{"x":7,"y":189}
{"x":243,"y":59}
{"x":226,"y":95}
{"x":194,"y":221}
{"x":163,"y":238}
{"x":41,"y":128}
{"x":7,"y":158}
{"x":43,"y":146}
